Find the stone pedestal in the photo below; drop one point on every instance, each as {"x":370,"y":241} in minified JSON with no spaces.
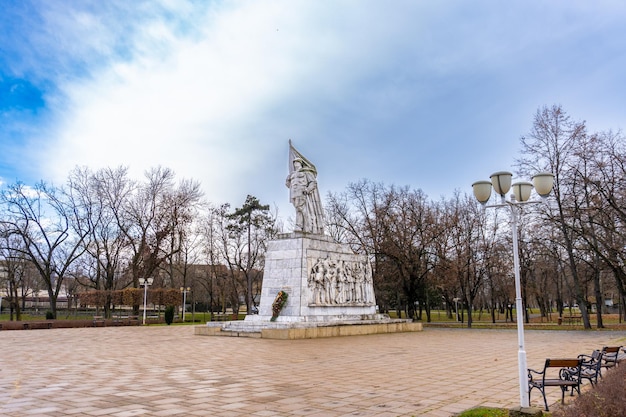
{"x":325,"y":281}
{"x":330,"y":293}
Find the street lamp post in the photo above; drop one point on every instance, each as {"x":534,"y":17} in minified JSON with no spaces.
{"x":145,"y":283}
{"x":185,"y":291}
{"x":501,"y":184}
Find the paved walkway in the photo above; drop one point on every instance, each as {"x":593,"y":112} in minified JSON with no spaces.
{"x":167,"y":371}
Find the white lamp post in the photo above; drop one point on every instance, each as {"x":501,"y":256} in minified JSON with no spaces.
{"x":184,"y":291}
{"x":501,"y":183}
{"x":456,"y":307}
{"x":145,"y":283}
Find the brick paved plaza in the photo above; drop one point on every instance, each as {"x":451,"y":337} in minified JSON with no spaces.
{"x":167,"y":371}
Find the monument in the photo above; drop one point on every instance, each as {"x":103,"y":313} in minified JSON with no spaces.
{"x":312,"y":285}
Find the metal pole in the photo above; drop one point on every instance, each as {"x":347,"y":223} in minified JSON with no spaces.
{"x":184,"y":303}
{"x":145,"y":298}
{"x":521,"y":354}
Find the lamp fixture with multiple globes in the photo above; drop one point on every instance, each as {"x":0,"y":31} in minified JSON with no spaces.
{"x":501,"y":184}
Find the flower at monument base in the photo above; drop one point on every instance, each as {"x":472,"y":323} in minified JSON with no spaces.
{"x":278,"y":304}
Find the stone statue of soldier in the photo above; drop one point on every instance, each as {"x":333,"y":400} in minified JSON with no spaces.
{"x":304,"y":194}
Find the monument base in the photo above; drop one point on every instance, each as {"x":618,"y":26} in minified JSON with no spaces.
{"x":324,"y":280}
{"x":310,"y":330}
{"x":329,"y":290}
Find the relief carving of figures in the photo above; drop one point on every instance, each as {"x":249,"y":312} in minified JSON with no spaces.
{"x":316,"y":283}
{"x":349,"y":283}
{"x":359,"y":282}
{"x":330,"y":280}
{"x":340,"y":282}
{"x":369,"y":282}
{"x":304,"y":194}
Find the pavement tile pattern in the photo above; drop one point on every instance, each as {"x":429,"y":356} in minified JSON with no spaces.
{"x":168,"y":371}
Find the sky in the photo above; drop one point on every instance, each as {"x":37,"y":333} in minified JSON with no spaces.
{"x":433,"y":95}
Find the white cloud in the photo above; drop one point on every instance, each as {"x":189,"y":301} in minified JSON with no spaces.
{"x":366,"y":89}
{"x":199,"y":104}
{"x":182,"y":102}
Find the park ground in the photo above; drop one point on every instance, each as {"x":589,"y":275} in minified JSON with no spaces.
{"x":167,"y":370}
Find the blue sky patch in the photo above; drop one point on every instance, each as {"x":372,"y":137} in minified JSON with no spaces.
{"x":16,"y":94}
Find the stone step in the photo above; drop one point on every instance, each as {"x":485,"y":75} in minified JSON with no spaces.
{"x":285,"y":330}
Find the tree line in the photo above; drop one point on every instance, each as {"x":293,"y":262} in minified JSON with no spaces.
{"x":432,"y":253}
{"x":104,"y":231}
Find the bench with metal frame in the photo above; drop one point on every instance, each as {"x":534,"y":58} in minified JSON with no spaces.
{"x":98,"y":320}
{"x":223,"y":316}
{"x":124,"y":320}
{"x":591,"y":367}
{"x":28,"y":325}
{"x":610,"y":356}
{"x":573,"y":319}
{"x":562,"y":373}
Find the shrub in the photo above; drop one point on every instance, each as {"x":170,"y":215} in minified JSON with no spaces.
{"x":169,"y":315}
{"x":606,"y":399}
{"x":49,"y":315}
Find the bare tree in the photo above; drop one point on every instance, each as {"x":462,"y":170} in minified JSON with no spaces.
{"x":353,"y":217}
{"x":13,"y":271}
{"x":498,"y":279}
{"x":209,"y":229}
{"x":602,"y":219}
{"x":148,"y":216}
{"x":398,"y":229}
{"x":229,"y":245}
{"x":101,"y":195}
{"x":550,"y":146}
{"x":184,"y":203}
{"x":469,"y":248}
{"x":251,"y":227}
{"x":45,"y":219}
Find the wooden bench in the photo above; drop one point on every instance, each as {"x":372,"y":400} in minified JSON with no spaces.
{"x":574,"y":319}
{"x":37,"y":325}
{"x":98,"y":320}
{"x":591,"y":367}
{"x":610,"y":356}
{"x":120,"y":320}
{"x":124,"y":320}
{"x":223,"y":317}
{"x":562,"y":373}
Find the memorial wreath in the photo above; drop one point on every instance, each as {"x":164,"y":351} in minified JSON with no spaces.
{"x":278,"y":304}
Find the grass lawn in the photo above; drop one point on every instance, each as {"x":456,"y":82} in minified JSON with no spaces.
{"x":440,"y":318}
{"x":484,"y":412}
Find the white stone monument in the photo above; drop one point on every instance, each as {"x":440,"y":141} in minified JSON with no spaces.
{"x":324,"y":281}
{"x":326,"y":284}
